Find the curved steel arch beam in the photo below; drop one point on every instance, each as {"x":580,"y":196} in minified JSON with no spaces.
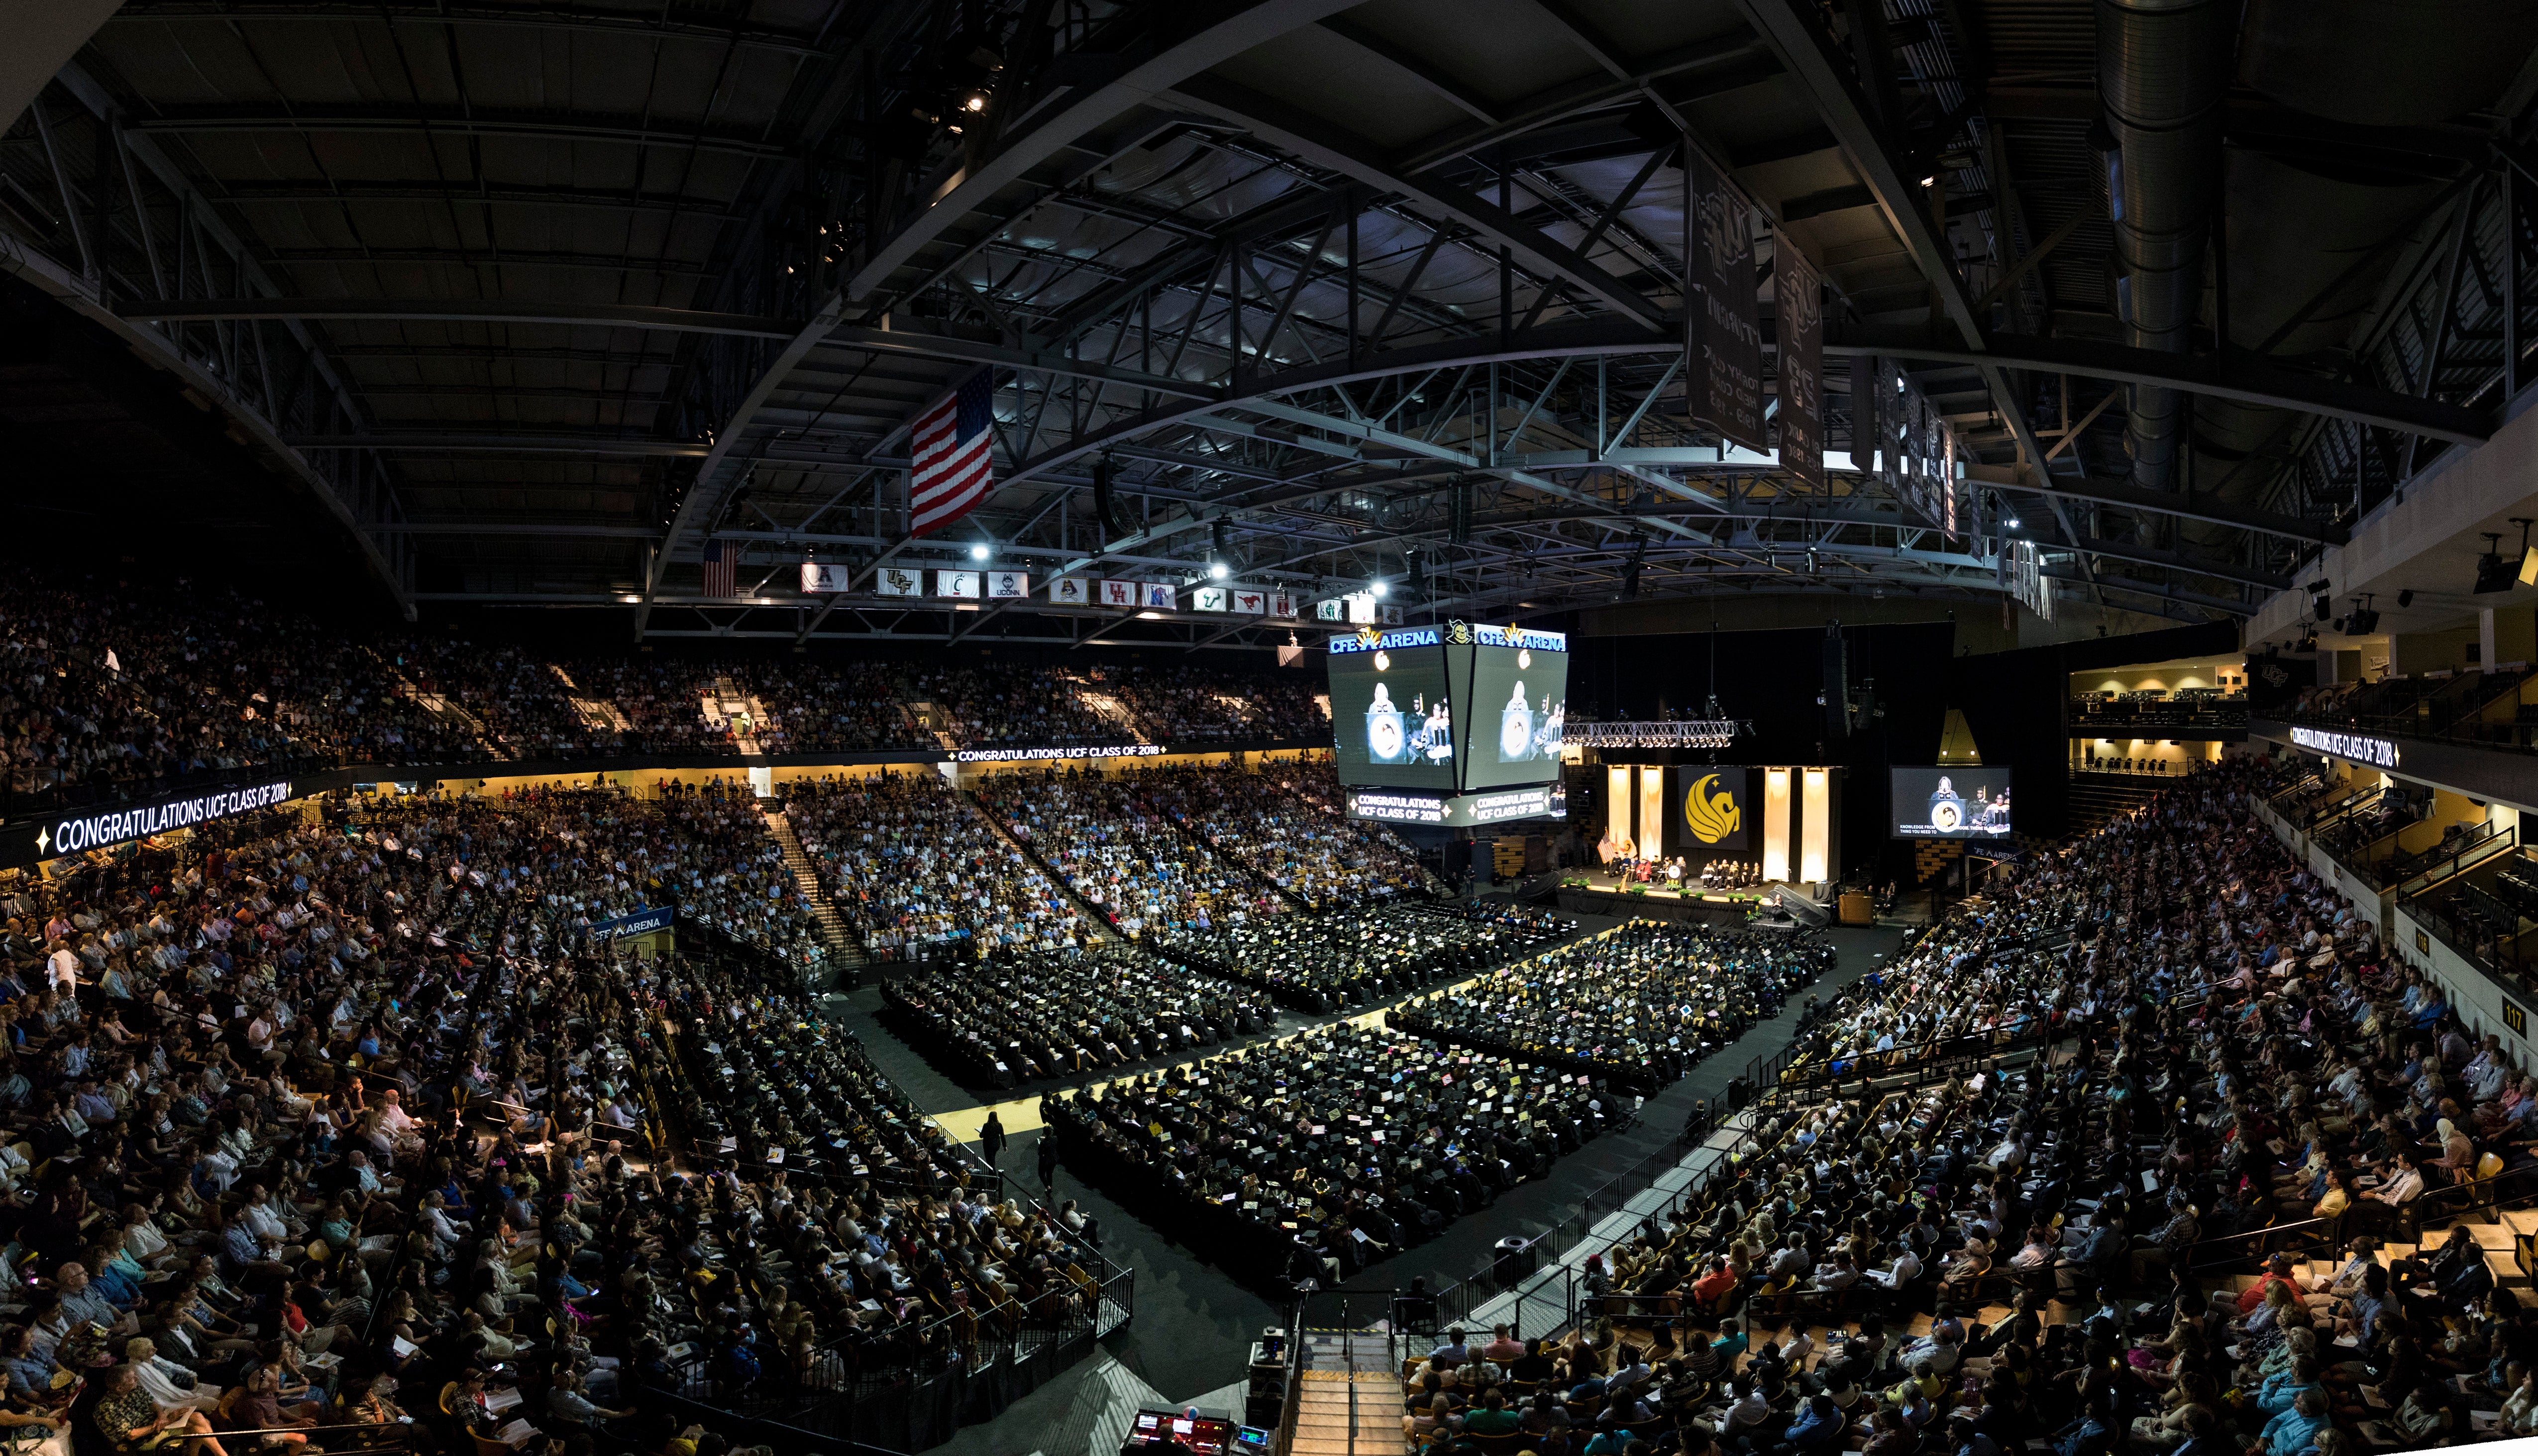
{"x":1189,"y":38}
{"x":1326,"y":145}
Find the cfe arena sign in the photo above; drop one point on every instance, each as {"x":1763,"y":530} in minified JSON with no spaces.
{"x":77,"y":833}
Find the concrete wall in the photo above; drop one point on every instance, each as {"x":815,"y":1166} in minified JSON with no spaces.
{"x":2479,"y":1002}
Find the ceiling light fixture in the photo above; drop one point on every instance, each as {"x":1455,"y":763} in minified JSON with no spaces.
{"x":979,"y":553}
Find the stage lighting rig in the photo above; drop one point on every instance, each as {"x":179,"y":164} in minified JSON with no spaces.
{"x":2362,"y":620}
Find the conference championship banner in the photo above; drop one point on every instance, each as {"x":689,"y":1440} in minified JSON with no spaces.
{"x":1708,"y":815}
{"x":1723,"y":342}
{"x":1798,"y":295}
{"x":827,"y":577}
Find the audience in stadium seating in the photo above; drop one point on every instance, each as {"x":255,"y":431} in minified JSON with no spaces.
{"x":815,"y":707}
{"x":1123,"y":856}
{"x":1638,"y":1005}
{"x":1034,"y":1015}
{"x":909,"y":864}
{"x":2248,"y":1095}
{"x":1198,"y":704}
{"x":1016,"y":710}
{"x":1289,"y":823}
{"x":127,"y":693}
{"x":1323,"y":962}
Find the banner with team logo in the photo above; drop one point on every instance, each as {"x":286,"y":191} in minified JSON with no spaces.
{"x":956,"y":583}
{"x":1159,"y":596}
{"x":827,"y":577}
{"x":1123,"y":595}
{"x":1071,"y":591}
{"x":1008,"y":583}
{"x":1208,"y":599}
{"x":1250,"y":601}
{"x":899,"y":581}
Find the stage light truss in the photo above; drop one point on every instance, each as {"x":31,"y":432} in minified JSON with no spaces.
{"x":1710,"y":733}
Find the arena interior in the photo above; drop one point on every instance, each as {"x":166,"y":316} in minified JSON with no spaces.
{"x":1268,"y":727}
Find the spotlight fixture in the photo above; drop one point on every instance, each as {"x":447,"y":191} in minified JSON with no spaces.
{"x":1381,"y":587}
{"x":979,"y":553}
{"x":2319,"y":585}
{"x":2013,"y":523}
{"x":1218,"y":571}
{"x":2406,"y":598}
{"x":975,"y":100}
{"x":2493,"y":573}
{"x":2321,"y":606}
{"x":2362,"y":620}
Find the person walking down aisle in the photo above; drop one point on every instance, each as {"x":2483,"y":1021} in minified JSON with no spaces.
{"x":992,"y":1138}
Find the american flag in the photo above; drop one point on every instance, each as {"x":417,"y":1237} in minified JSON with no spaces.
{"x":720,"y":562}
{"x":953,"y":472}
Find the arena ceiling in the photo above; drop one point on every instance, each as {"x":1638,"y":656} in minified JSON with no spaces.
{"x":531,"y":299}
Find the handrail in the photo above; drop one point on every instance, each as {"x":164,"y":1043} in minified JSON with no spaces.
{"x":2469,"y":857}
{"x":1348,"y":1369}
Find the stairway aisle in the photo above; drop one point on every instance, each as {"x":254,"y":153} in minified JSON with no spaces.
{"x":1323,"y":1419}
{"x":844,"y":950}
{"x":1097,"y":929}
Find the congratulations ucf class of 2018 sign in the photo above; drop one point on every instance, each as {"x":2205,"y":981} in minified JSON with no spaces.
{"x":81,"y":830}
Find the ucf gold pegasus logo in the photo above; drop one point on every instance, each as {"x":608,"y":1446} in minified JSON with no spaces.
{"x":1710,"y":816}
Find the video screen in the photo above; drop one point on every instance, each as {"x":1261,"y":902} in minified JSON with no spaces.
{"x":1391,"y":721}
{"x":1951,"y":803}
{"x":1518,"y":704}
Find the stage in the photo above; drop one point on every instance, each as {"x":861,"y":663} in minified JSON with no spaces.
{"x":1602,"y":893}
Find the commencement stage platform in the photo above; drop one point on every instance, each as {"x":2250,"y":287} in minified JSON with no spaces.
{"x":1762,"y":906}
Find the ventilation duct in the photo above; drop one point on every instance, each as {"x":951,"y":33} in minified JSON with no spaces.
{"x":2162,"y":71}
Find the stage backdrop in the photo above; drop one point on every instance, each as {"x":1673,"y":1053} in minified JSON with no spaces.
{"x":1708,"y":813}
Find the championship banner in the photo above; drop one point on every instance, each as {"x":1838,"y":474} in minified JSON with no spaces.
{"x":1159,"y":596}
{"x":1250,"y":601}
{"x":956,"y":583}
{"x":1723,"y":337}
{"x":899,"y":581}
{"x":1009,"y":583}
{"x":1708,"y":813}
{"x":1798,"y":293}
{"x":2030,"y":586}
{"x":1120,"y":594}
{"x":1071,"y":591}
{"x":826,"y":577}
{"x":1208,"y":599}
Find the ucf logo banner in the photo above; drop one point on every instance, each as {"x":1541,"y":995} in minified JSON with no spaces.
{"x":1707,"y":814}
